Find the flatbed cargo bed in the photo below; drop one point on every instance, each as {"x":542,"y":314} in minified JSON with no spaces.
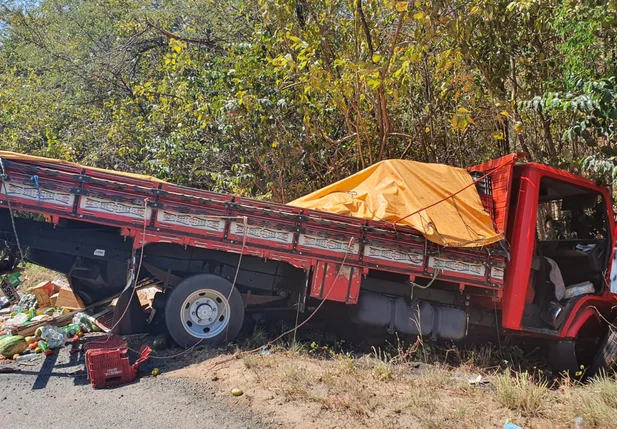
{"x":158,"y":212}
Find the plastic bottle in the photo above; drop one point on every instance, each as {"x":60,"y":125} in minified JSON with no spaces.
{"x":13,"y":278}
{"x":54,"y":337}
{"x":28,"y":358}
{"x":71,"y":330}
{"x":83,"y":322}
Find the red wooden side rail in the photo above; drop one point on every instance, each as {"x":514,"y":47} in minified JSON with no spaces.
{"x":190,"y":217}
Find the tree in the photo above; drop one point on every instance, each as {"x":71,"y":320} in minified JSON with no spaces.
{"x":273,"y":99}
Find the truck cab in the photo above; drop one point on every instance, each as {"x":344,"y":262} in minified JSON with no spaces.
{"x":560,"y":229}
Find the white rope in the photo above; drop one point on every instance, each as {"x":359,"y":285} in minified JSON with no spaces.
{"x":135,"y":279}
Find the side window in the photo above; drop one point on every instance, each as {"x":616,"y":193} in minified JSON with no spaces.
{"x":567,"y":212}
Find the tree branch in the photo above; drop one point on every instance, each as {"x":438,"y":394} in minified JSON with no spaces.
{"x":171,"y":35}
{"x":341,"y":140}
{"x":367,"y":31}
{"x":395,"y":40}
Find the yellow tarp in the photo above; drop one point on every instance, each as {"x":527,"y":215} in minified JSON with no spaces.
{"x":35,"y":159}
{"x":392,"y":189}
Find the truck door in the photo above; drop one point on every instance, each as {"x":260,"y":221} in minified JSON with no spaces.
{"x":573,"y":247}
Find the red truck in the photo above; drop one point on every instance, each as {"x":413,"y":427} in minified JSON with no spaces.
{"x":218,"y":257}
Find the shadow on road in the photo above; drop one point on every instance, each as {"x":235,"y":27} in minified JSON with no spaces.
{"x":46,"y":371}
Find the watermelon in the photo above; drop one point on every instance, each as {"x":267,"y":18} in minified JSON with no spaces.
{"x":12,"y":345}
{"x":160,"y":343}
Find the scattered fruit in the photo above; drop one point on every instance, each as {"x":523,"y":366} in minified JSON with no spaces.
{"x":49,"y":352}
{"x":237,"y":392}
{"x":11,"y":345}
{"x":15,"y":356}
{"x":38,"y":332}
{"x":160,"y":343}
{"x":155,"y":372}
{"x":30,"y":340}
{"x":38,"y":350}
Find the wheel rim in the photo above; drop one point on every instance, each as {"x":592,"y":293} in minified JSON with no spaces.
{"x":205,"y":313}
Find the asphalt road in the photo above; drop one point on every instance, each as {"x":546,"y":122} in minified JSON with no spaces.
{"x":56,"y":393}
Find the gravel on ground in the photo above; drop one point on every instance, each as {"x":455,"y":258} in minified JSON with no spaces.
{"x":55,"y":392}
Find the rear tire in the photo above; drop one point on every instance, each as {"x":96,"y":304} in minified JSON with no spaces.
{"x":204,"y":309}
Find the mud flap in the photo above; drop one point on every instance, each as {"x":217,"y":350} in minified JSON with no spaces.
{"x":562,"y":356}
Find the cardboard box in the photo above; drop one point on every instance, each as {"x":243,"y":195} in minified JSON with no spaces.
{"x":43,"y":292}
{"x":66,"y":298}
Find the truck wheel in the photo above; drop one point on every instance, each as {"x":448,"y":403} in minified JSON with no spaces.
{"x":204,"y":309}
{"x":607,"y":354}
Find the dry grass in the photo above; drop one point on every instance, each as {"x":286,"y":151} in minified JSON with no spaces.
{"x":33,"y":275}
{"x":306,"y":386}
{"x":520,"y":392}
{"x":596,"y":401}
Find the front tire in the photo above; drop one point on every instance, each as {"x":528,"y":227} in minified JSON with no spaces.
{"x":204,"y":309}
{"x":607,"y":354}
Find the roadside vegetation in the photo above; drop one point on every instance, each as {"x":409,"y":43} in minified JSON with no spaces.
{"x":276,"y":98}
{"x":310,"y":384}
{"x":32,"y":275}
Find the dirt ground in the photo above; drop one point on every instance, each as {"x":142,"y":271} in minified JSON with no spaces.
{"x":301,"y":389}
{"x":304,"y":386}
{"x":314,"y":383}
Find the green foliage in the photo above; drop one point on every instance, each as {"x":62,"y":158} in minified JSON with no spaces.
{"x":273,"y":99}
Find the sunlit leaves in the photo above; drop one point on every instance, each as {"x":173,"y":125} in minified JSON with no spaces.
{"x":275,"y":98}
{"x":401,"y":6}
{"x":461,"y":119}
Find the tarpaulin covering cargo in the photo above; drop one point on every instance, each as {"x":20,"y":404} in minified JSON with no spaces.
{"x":392,"y":190}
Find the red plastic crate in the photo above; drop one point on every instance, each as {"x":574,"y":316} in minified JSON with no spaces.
{"x":108,"y":365}
{"x":107,"y":343}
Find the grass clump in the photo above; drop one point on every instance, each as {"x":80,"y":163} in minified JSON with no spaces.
{"x":520,"y":392}
{"x":596,"y":401}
